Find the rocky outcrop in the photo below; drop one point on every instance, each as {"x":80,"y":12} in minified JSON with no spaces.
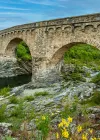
{"x":10,"y":67}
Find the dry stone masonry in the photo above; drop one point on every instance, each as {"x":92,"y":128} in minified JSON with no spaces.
{"x":48,"y":40}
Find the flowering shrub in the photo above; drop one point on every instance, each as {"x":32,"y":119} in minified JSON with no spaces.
{"x":43,"y":124}
{"x":64,"y":131}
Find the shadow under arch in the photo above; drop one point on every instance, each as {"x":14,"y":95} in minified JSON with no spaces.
{"x":21,"y":71}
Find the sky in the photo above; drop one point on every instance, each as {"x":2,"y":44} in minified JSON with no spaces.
{"x":16,"y":12}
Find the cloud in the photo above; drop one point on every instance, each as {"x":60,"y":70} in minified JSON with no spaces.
{"x":44,"y":2}
{"x":15,"y":12}
{"x":13,"y":8}
{"x":10,"y":2}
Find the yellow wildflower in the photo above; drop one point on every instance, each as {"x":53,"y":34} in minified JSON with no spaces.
{"x":57,"y":135}
{"x":65,"y":133}
{"x":60,"y":125}
{"x":91,"y":131}
{"x":70,"y":119}
{"x":63,"y":120}
{"x":94,"y":138}
{"x":63,"y":123}
{"x":43,"y":118}
{"x":79,"y":128}
{"x":84,"y":137}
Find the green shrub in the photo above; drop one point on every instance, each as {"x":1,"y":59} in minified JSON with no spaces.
{"x":44,"y":93}
{"x":96,"y":79}
{"x":8,"y":138}
{"x":44,"y":126}
{"x":5,"y":91}
{"x":29,"y":98}
{"x":82,"y":54}
{"x":94,"y":100}
{"x":22,"y":52}
{"x":18,"y":111}
{"x":77,"y":77}
{"x":2,"y":113}
{"x":13,"y":100}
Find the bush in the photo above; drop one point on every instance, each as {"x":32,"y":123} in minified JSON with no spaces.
{"x":13,"y":100}
{"x":18,"y":111}
{"x":2,"y":113}
{"x":44,"y":126}
{"x":96,"y":98}
{"x":96,"y":79}
{"x":82,"y":54}
{"x":29,"y":98}
{"x":44,"y":93}
{"x":5,"y":91}
{"x":22,"y":52}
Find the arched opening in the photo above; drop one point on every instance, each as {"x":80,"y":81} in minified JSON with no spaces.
{"x":19,"y":64}
{"x":59,"y":54}
{"x":76,"y":61}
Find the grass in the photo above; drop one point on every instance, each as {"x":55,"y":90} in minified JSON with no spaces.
{"x":5,"y":91}
{"x":29,"y":98}
{"x":94,"y":100}
{"x":13,"y":100}
{"x":96,"y":79}
{"x":44,"y":93}
{"x":2,"y":112}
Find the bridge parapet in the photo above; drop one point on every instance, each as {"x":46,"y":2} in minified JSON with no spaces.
{"x":56,"y":22}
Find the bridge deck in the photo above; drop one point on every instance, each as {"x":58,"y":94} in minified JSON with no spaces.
{"x":55,"y":22}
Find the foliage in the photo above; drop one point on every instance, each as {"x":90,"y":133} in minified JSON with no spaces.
{"x":22,"y":52}
{"x":2,"y":113}
{"x":44,"y":125}
{"x":29,"y":98}
{"x":18,"y":111}
{"x":70,"y":109}
{"x":96,"y":79}
{"x":13,"y":100}
{"x":82,"y":54}
{"x":8,"y":138}
{"x":5,"y":91}
{"x":94,"y":100}
{"x":23,"y":113}
{"x":44,"y":93}
{"x":79,"y":133}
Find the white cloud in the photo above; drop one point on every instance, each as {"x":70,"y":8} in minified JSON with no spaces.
{"x":45,"y":2}
{"x":12,"y":8}
{"x":10,"y":2}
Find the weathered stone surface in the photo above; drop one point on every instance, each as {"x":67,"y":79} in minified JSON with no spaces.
{"x":9,"y":67}
{"x":4,"y":129}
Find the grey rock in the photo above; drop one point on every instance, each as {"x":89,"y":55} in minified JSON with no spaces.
{"x":10,"y":67}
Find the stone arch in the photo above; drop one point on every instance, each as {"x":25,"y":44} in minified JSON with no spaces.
{"x":59,"y":54}
{"x":89,"y":28}
{"x":11,"y":46}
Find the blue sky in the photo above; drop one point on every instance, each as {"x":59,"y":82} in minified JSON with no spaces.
{"x":15,"y":12}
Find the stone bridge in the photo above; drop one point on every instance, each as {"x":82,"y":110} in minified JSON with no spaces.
{"x":48,"y":40}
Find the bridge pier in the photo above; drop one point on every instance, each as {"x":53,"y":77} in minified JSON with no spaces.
{"x":42,"y":75}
